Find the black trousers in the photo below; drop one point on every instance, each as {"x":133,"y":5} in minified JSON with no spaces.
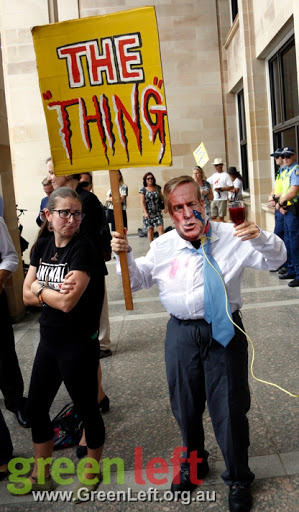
{"x":74,"y":362}
{"x":6,"y":447}
{"x":199,"y":369}
{"x":11,"y":380}
{"x":125,"y":221}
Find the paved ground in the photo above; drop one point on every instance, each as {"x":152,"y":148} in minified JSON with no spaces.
{"x":140,"y":423}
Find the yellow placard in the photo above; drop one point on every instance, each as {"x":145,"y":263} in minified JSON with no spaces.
{"x":201,"y":156}
{"x":103,"y":92}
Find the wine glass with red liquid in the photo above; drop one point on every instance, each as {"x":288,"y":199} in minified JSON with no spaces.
{"x":237,"y":212}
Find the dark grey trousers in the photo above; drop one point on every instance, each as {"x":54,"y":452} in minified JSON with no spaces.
{"x":199,"y":369}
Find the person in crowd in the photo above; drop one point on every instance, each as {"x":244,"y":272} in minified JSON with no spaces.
{"x":123,"y":192}
{"x":205,"y":188}
{"x":11,"y":380}
{"x":48,"y":189}
{"x":288,"y":205}
{"x":85,"y":181}
{"x":274,"y":197}
{"x":6,"y":448}
{"x":105,"y":332}
{"x":205,"y":352}
{"x":276,"y":192}
{"x":152,"y":205}
{"x":95,"y":228}
{"x":237,"y":192}
{"x":49,"y":165}
{"x":222,"y":184}
{"x":68,"y":350}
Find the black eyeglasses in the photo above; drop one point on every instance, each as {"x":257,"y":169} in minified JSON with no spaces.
{"x":149,"y":178}
{"x":66,"y":214}
{"x":287,"y":157}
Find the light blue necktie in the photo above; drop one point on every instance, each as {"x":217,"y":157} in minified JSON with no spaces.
{"x":215,"y":296}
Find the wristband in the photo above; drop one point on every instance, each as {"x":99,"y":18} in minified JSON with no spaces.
{"x":40,"y":298}
{"x":38,"y":294}
{"x":39,"y":291}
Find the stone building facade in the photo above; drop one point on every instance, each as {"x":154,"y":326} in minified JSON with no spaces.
{"x":221,"y":62}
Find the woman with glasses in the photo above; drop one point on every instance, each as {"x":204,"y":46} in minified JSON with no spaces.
{"x":123,"y":192}
{"x":93,"y":227}
{"x":152,"y":205}
{"x":68,"y":350}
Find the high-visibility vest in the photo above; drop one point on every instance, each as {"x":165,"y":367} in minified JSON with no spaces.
{"x":286,"y":181}
{"x":278,"y":180}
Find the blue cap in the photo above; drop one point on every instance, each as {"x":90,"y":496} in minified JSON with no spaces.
{"x":288,"y":152}
{"x":277,"y":152}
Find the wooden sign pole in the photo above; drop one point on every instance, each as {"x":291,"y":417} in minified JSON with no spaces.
{"x":119,"y":226}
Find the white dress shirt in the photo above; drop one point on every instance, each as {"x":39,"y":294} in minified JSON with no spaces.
{"x":8,"y":255}
{"x":177,"y":270}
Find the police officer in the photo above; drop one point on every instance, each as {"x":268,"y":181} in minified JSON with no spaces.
{"x":274,"y":197}
{"x":288,"y":205}
{"x":276,"y":192}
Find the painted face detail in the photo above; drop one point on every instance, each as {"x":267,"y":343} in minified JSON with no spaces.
{"x":198,"y":216}
{"x":183,"y":203}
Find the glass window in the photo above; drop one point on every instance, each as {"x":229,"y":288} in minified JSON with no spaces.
{"x":289,"y":137}
{"x":234,"y":7}
{"x":284,"y":96}
{"x":275,"y":92}
{"x":289,"y":80}
{"x":243,"y":139}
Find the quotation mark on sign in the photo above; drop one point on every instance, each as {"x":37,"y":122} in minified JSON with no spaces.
{"x":47,"y":95}
{"x":157,"y":82}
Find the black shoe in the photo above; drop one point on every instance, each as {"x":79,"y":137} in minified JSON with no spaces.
{"x":104,"y":404}
{"x":282,"y":270}
{"x":105,"y":353}
{"x":287,"y":276}
{"x":239,"y":498}
{"x":185,"y":484}
{"x":20,"y":413}
{"x":22,"y":418}
{"x":294,"y":283}
{"x":81,"y":451}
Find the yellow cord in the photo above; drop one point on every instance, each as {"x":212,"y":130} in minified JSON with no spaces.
{"x":249,"y":339}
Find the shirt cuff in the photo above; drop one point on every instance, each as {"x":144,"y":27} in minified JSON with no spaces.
{"x":10,"y":266}
{"x":130,"y":259}
{"x":260,"y":240}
